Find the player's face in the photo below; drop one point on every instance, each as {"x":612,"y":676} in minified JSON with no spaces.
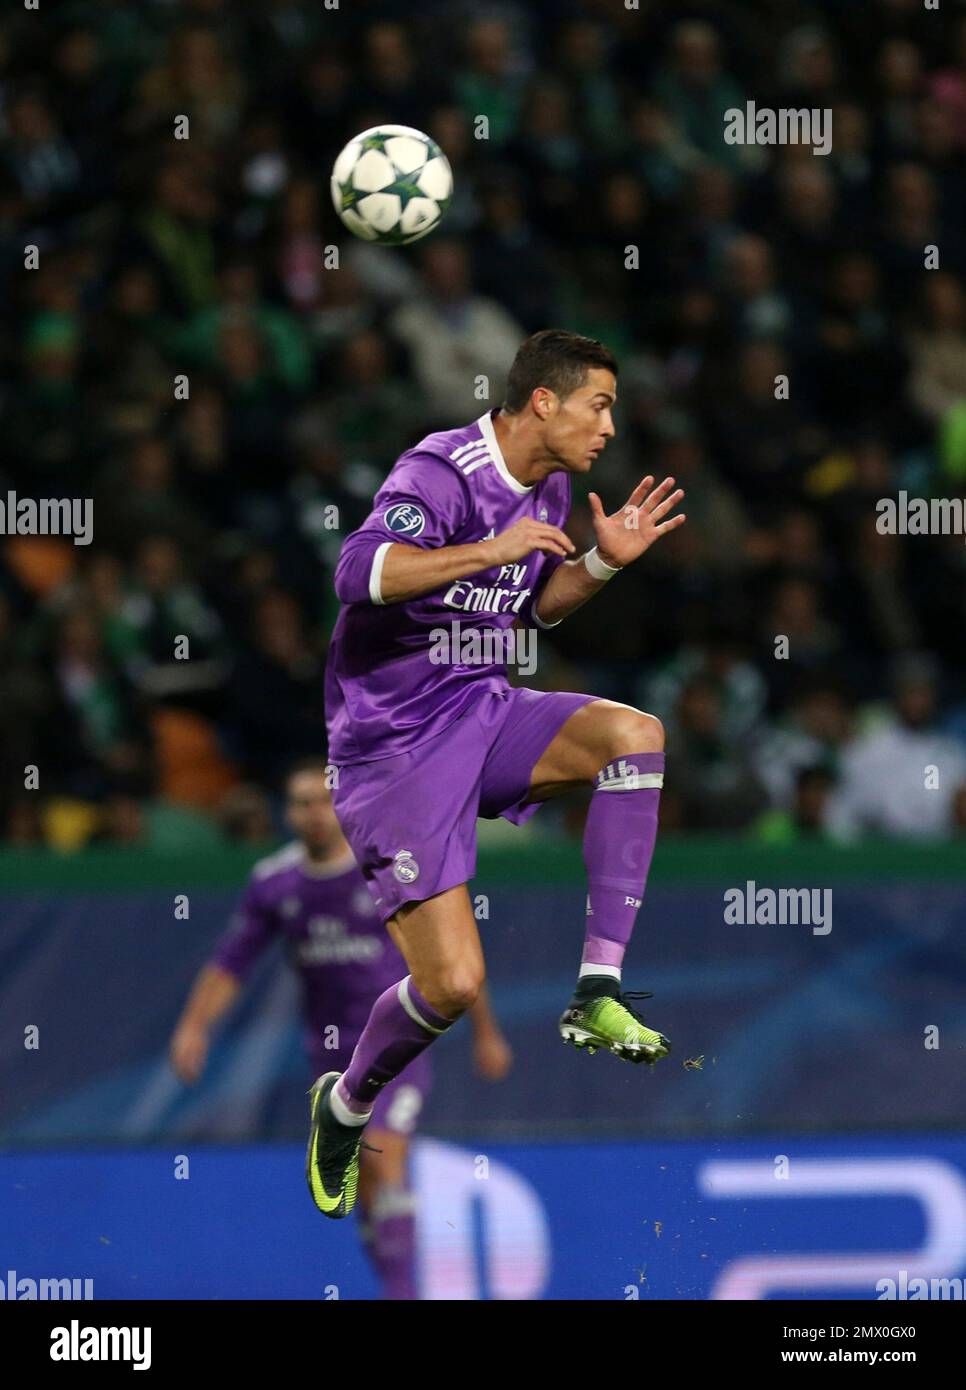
{"x":580,"y":426}
{"x":310,"y":811}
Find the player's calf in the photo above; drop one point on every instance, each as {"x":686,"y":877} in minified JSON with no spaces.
{"x":388,"y":1228}
{"x":619,"y":837}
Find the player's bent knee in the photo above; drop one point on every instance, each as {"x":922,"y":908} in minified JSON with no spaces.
{"x":632,"y":731}
{"x":454,"y":993}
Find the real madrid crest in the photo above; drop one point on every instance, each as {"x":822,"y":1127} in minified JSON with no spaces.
{"x":404,"y":867}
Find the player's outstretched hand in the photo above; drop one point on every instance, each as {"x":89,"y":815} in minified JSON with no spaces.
{"x":492,"y":1056}
{"x":523,"y":538}
{"x":189,"y":1052}
{"x":625,"y":535}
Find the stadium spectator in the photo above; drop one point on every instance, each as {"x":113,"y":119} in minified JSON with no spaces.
{"x":904,"y":778}
{"x":808,"y":813}
{"x":455,"y":337}
{"x":697,"y":91}
{"x":715,"y":785}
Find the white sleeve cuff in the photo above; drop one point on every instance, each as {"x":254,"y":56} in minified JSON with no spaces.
{"x":375,"y":574}
{"x":598,"y":568}
{"x":539,"y":621}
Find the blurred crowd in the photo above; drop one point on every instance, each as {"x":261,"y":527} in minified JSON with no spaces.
{"x":598,"y":195}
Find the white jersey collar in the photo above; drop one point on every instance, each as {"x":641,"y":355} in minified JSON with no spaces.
{"x":485,"y":423}
{"x":331,"y":868}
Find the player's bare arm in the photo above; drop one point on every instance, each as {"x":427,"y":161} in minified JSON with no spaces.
{"x":622,"y":537}
{"x":409,"y":572}
{"x":212,"y":996}
{"x":492,"y":1055}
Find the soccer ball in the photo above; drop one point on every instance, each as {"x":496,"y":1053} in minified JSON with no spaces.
{"x":391,"y":184}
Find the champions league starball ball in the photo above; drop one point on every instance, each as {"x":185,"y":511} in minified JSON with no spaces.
{"x":391,"y":184}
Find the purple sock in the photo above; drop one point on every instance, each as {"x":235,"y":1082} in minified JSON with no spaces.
{"x":618,"y":845}
{"x":400,"y":1026}
{"x":390,"y":1238}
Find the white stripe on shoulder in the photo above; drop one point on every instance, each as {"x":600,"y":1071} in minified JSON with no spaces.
{"x":463,"y":448}
{"x":476,"y":461}
{"x":285,"y":858}
{"x":470,"y":454}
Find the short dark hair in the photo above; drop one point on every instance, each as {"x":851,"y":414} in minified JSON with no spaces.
{"x":556,"y":359}
{"x":309,"y":764}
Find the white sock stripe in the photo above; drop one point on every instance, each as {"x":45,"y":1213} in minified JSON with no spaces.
{"x":407,"y":1003}
{"x":393,"y":1201}
{"x":633,"y":783}
{"x":341,"y":1111}
{"x":588,"y":968}
{"x":625,"y":777}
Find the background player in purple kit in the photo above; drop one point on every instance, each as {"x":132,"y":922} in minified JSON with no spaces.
{"x":467,"y":529}
{"x":312,"y":894}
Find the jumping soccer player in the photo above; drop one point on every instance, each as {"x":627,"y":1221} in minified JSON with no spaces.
{"x":467,"y":529}
{"x":312,"y":894}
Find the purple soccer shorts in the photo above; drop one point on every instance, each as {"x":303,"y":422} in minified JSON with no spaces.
{"x":411,"y":819}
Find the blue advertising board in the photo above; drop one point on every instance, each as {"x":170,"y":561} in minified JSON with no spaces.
{"x":786,"y":1218}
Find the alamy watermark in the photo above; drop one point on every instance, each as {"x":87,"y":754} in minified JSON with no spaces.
{"x":751,"y":905}
{"x":919,"y":1288}
{"x":47,"y":516}
{"x":920,"y":516}
{"x":77,"y":1343}
{"x":763,"y":125}
{"x":15,"y":1289}
{"x":491,"y":646}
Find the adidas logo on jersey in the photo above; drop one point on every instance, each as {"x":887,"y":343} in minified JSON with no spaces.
{"x":469,"y":457}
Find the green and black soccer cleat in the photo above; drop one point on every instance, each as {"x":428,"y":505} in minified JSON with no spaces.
{"x":332,"y":1158}
{"x":605,"y":1020}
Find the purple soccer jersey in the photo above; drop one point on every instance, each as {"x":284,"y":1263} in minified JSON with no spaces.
{"x":384,"y":693}
{"x":333,"y":936}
